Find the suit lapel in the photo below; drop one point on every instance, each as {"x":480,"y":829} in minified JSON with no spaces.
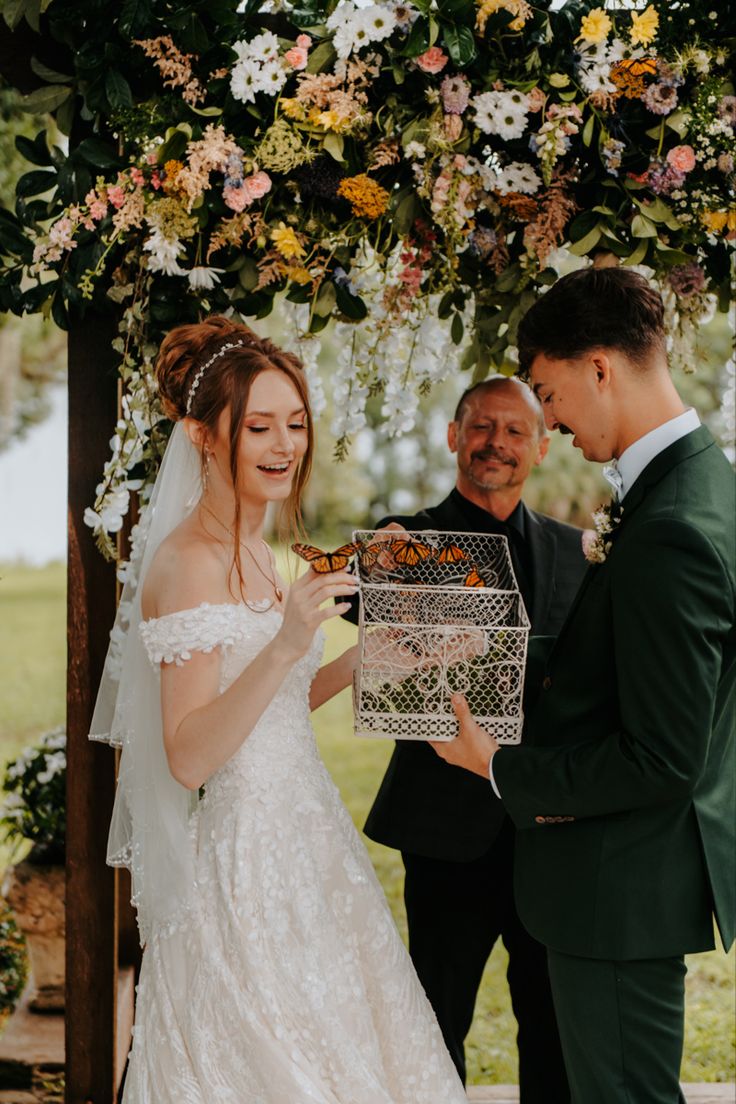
{"x":674,"y":454}
{"x":544,"y":562}
{"x":669,"y":458}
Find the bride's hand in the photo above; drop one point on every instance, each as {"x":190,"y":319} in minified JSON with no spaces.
{"x":302,"y":613}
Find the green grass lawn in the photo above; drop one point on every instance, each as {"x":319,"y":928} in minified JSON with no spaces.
{"x":32,"y":662}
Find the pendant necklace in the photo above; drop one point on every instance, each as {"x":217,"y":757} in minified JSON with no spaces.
{"x":269,"y":579}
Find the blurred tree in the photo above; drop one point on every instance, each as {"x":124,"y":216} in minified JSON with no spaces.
{"x":32,"y":349}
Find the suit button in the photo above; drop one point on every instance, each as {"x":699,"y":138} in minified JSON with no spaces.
{"x":546,"y":682}
{"x":540,"y":819}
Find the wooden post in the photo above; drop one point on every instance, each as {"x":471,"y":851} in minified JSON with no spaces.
{"x":92,"y":908}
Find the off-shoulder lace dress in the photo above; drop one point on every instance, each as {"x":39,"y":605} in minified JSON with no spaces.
{"x":291,"y":984}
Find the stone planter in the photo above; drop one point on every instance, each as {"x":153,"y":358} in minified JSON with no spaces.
{"x":36,"y":894}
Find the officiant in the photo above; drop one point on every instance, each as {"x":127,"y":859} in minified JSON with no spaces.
{"x":455,"y":840}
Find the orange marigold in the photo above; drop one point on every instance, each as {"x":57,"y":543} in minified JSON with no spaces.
{"x":367,"y":198}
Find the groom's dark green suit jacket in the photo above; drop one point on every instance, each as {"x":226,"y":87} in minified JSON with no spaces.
{"x":623,"y":789}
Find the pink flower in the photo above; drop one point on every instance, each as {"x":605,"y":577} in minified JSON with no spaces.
{"x":237,"y":199}
{"x":296,"y":57}
{"x":536,"y":99}
{"x":97,"y":206}
{"x":137,"y":177}
{"x":432,"y":60}
{"x":116,"y":196}
{"x":682,"y":158}
{"x":304,"y":41}
{"x":257,"y":184}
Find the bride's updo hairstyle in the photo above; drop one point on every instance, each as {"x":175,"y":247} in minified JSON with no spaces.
{"x":226,"y":382}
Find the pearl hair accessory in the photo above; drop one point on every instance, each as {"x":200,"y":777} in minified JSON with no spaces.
{"x":196,"y":381}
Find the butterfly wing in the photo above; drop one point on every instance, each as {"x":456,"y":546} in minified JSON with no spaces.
{"x":451,"y":554}
{"x":410,"y":552}
{"x":370,"y":554}
{"x":473,"y":579}
{"x":325,"y":562}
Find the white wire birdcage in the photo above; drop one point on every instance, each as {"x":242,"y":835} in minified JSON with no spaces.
{"x":439,"y":613}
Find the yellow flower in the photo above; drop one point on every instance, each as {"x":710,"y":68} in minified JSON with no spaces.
{"x":292,"y":108}
{"x":286,"y":241}
{"x":298,"y":274}
{"x":595,"y":26}
{"x":367,"y":198}
{"x":520,"y":10}
{"x":332,"y":120}
{"x":644,"y":26}
{"x":717,"y":221}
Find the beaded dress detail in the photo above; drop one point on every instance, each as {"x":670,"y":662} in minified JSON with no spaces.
{"x":288,"y":982}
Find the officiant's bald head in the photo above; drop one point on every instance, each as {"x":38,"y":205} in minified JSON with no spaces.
{"x":499,"y":384}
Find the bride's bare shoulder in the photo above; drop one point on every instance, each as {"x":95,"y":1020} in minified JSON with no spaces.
{"x":188,"y":568}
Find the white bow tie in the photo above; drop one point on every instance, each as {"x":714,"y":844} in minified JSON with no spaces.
{"x":613,"y":477}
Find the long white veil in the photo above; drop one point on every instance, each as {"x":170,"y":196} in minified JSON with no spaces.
{"x":149,"y":832}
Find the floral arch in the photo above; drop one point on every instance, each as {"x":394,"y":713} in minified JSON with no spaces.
{"x":407,"y":171}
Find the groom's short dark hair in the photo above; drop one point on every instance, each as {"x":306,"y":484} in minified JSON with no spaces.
{"x":612,"y":308}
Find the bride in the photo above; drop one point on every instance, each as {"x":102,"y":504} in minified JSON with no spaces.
{"x":272,"y":971}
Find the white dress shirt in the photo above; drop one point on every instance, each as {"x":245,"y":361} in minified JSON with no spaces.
{"x":633,"y":461}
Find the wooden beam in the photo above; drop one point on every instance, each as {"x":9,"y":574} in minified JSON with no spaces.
{"x":92,"y":906}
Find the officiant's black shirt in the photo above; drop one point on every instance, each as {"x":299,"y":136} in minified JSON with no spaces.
{"x":514,"y":529}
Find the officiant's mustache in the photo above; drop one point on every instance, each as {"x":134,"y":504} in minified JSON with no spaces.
{"x":494,"y":454}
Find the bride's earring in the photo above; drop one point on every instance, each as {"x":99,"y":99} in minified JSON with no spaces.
{"x":206,"y":472}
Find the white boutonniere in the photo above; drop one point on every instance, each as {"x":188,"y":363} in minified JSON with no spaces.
{"x":597,"y":542}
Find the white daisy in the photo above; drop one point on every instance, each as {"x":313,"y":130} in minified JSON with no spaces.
{"x":518,"y":177}
{"x":272,"y":78}
{"x":202,"y":278}
{"x":264,"y":47}
{"x":245,"y":80}
{"x":380,"y":21}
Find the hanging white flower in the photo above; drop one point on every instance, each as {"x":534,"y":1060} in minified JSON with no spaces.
{"x":202,"y":278}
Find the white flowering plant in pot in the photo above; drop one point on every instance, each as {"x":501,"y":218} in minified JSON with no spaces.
{"x":34,"y":806}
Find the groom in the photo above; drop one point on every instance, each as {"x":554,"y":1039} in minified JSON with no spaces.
{"x":622,"y":791}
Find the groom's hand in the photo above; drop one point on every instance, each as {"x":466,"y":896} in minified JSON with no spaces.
{"x":473,"y":747}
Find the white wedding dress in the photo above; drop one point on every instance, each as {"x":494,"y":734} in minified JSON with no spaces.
{"x":288,"y":984}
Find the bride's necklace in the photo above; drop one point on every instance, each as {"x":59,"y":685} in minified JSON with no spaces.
{"x":269,"y":578}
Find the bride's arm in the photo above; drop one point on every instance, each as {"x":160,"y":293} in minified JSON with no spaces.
{"x":333,"y":677}
{"x":202,"y":729}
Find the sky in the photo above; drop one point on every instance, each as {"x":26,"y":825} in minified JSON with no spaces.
{"x":33,"y":491}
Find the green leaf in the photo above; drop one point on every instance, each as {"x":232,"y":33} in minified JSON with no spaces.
{"x":47,"y":74}
{"x":352,"y":306}
{"x":445,"y":306}
{"x":508,"y":279}
{"x":457,"y":329}
{"x":460,"y":43}
{"x":134,"y":16}
{"x":581,"y":247}
{"x":98,"y":153}
{"x":588,"y":131}
{"x":174,"y":145}
{"x":334,"y":144}
{"x":417,"y":40}
{"x":642,"y":228}
{"x":434,"y":30}
{"x":36,"y":151}
{"x":117,"y":89}
{"x":45,"y":100}
{"x":639,"y":253}
{"x":405,"y":214}
{"x":326,"y":299}
{"x":248,"y":274}
{"x":35,"y":183}
{"x":322,"y":57}
{"x":13,"y":12}
{"x":208,"y":112}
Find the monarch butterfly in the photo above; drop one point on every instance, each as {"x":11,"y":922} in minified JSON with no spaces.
{"x":370,"y":554}
{"x":473,"y":579}
{"x":410,"y":552}
{"x":637,"y":67}
{"x":451,"y":554}
{"x":325,"y":562}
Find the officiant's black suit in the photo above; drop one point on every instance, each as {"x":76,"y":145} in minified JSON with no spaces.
{"x":457,"y":842}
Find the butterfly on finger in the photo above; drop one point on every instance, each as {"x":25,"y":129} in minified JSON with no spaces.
{"x":324,"y":563}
